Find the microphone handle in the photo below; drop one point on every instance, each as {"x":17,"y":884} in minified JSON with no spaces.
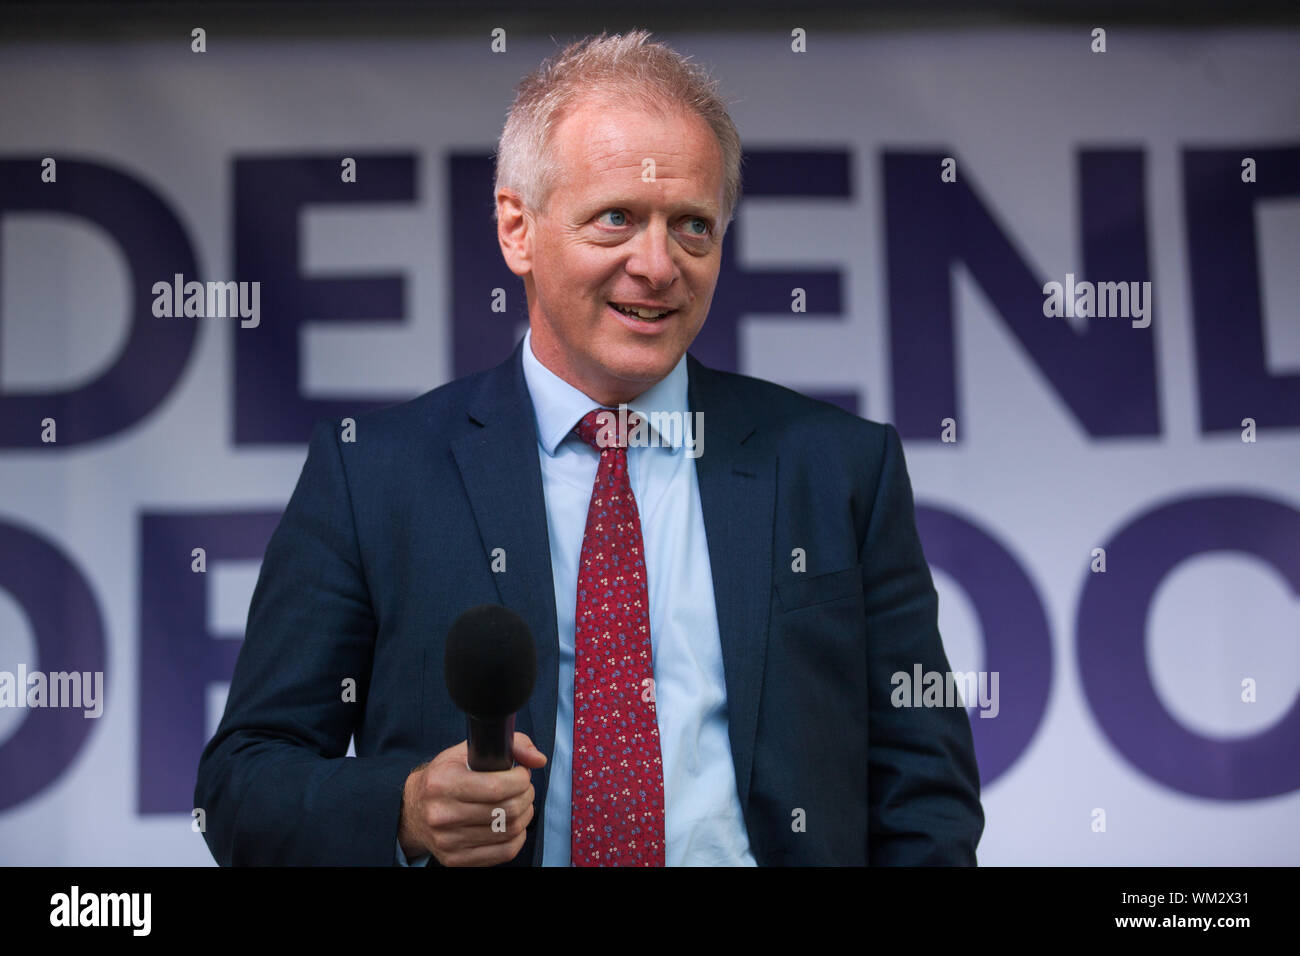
{"x":491,"y":742}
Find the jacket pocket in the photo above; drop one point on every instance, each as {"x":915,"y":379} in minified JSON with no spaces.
{"x":797,"y":591}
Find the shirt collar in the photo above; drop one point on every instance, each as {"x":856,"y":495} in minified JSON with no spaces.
{"x":559,"y":406}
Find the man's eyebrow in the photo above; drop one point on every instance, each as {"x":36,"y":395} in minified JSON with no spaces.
{"x":706,"y":209}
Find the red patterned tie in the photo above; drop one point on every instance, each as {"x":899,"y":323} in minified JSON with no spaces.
{"x":618,"y":781}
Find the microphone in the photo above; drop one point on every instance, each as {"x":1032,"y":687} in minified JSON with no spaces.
{"x":490,"y":666}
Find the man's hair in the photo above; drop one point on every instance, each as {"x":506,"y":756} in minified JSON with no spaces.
{"x":622,"y":68}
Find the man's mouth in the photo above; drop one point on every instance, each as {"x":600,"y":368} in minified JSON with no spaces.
{"x":642,"y":312}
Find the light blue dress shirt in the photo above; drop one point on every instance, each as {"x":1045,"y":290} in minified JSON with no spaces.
{"x":703,"y":824}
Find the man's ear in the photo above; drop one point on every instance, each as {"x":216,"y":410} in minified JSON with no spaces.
{"x":515,"y":228}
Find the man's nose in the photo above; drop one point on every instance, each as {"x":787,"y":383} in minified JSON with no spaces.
{"x":652,"y":257}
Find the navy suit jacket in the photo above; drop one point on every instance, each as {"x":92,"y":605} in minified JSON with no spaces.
{"x":389,"y":537}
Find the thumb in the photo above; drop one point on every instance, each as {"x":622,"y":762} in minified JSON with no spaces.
{"x":526,"y":753}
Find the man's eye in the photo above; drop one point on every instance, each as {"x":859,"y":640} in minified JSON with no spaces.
{"x":617,"y":217}
{"x":697,"y":226}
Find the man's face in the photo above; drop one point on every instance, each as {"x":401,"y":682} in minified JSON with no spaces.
{"x":633,"y":221}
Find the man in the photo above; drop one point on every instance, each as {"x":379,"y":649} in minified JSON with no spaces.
{"x":718,"y":611}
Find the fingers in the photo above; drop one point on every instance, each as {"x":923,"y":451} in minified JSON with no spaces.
{"x":469,"y":786}
{"x":452,"y":815}
{"x":485,"y":844}
{"x":466,"y":818}
{"x":526,"y":752}
{"x":481,"y":855}
{"x":498,"y":825}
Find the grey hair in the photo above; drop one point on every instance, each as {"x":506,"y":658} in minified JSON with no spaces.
{"x":621,"y":67}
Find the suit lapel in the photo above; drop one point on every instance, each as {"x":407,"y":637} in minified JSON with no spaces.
{"x":737,"y":493}
{"x":499,"y":467}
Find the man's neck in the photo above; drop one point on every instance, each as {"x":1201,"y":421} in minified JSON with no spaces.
{"x":609,"y":398}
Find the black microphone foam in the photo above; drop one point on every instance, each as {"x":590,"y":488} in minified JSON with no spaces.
{"x":491,"y":661}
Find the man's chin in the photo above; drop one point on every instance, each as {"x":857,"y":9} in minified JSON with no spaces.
{"x":634,"y":375}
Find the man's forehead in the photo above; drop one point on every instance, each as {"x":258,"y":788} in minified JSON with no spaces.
{"x":621,"y":139}
{"x":605,"y":126}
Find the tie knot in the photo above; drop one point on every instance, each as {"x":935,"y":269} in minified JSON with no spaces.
{"x":603,"y":428}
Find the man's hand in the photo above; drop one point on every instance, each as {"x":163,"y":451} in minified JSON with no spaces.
{"x":451,"y":811}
